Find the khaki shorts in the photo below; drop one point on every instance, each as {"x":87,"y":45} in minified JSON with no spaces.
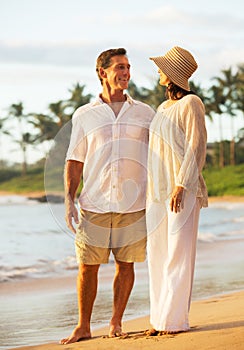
{"x":99,"y":234}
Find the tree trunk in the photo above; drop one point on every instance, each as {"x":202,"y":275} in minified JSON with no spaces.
{"x":232,"y":144}
{"x":221,"y":145}
{"x":24,"y":163}
{"x":232,"y":152}
{"x":221,"y":154}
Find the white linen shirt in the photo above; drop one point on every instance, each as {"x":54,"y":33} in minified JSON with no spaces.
{"x":114,"y":152}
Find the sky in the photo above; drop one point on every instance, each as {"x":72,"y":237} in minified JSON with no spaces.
{"x":48,"y":46}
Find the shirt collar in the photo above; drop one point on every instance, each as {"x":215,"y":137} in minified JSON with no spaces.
{"x":129,"y":99}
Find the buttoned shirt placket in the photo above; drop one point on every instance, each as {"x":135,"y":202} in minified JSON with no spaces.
{"x":114,"y":166}
{"x":115,"y":154}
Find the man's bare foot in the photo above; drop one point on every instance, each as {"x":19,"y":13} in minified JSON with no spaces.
{"x":77,"y":335}
{"x":116,"y":331}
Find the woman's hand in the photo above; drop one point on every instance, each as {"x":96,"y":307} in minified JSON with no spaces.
{"x":176,"y":202}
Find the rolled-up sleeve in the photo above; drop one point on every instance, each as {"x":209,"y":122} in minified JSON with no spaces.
{"x":78,"y":145}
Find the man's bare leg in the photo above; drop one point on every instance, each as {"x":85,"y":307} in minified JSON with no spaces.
{"x":123,"y":283}
{"x":86,"y":293}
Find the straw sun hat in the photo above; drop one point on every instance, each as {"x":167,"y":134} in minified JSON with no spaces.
{"x":178,"y":65}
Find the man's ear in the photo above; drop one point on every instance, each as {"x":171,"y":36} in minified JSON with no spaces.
{"x":102,"y":73}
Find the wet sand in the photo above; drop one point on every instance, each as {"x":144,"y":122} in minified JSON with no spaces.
{"x":216,"y":324}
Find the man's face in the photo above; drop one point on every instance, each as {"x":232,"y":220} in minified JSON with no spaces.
{"x":117,"y":76}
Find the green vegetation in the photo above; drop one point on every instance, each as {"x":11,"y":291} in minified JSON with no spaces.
{"x":228,"y":181}
{"x":20,"y":184}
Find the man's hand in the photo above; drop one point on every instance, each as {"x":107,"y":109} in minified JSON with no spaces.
{"x":176,"y":202}
{"x":70,"y":213}
{"x":72,"y":176}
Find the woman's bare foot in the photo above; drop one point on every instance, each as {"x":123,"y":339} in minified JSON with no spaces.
{"x":169,"y":332}
{"x":151,"y":332}
{"x":77,"y":335}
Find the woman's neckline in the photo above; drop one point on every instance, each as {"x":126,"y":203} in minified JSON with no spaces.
{"x":170,"y":103}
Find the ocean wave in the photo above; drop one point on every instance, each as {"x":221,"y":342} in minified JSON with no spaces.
{"x":239,"y":219}
{"x":209,"y":237}
{"x":232,"y":234}
{"x":10,"y":273}
{"x":206,"y":237}
{"x":42,"y":268}
{"x":220,"y":221}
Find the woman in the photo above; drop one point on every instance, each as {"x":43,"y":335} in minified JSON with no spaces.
{"x":176,"y":192}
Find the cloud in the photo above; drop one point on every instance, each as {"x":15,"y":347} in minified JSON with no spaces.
{"x":214,"y":37}
{"x":173,"y":16}
{"x":169,"y":19}
{"x":56,"y":54}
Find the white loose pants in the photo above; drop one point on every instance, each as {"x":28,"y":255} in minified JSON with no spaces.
{"x":171,"y":262}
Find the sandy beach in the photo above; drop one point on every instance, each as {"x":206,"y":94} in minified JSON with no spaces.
{"x":38,"y":296}
{"x":216,"y":323}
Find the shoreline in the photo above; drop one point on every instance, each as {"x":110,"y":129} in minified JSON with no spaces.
{"x":238,"y":199}
{"x":208,"y":254}
{"x":40,"y":194}
{"x":216,"y":323}
{"x":67,"y":284}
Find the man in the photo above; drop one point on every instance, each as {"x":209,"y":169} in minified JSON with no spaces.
{"x":108,"y":148}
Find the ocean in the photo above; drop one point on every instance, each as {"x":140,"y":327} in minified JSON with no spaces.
{"x":37,"y":246}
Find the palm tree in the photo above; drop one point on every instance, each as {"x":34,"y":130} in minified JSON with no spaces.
{"x":228,"y":85}
{"x":58,"y":114}
{"x":240,"y":88}
{"x":26,"y":139}
{"x":62,"y":111}
{"x":197,"y":89}
{"x":213,"y":106}
{"x":77,"y":98}
{"x":16,"y":110}
{"x":203,"y":94}
{"x":46,"y":126}
{"x":3,"y":131}
{"x":136,"y":92}
{"x":154,"y":97}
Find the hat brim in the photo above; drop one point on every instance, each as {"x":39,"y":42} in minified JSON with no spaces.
{"x":165,"y":66}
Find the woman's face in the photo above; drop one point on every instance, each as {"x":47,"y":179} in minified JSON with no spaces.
{"x":163,"y":80}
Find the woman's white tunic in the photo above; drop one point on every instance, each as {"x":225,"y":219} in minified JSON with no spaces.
{"x":177,"y":151}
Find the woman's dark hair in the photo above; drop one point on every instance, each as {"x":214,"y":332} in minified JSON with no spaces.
{"x":104,"y":59}
{"x":175,"y":92}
